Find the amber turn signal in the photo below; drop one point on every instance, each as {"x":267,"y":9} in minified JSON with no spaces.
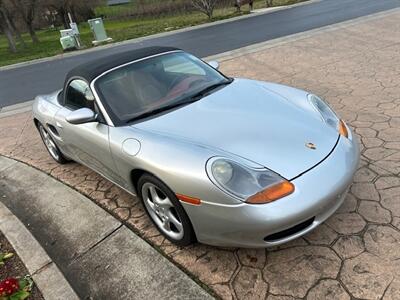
{"x":272,"y":193}
{"x":343,"y":129}
{"x":187,"y":199}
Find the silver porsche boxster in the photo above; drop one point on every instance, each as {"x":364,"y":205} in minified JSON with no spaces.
{"x":219,"y":160}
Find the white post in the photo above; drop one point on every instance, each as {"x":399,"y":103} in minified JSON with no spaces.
{"x":70,"y":18}
{"x":74,"y":27}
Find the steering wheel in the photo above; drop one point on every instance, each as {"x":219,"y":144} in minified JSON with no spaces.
{"x":183,"y":85}
{"x":175,"y":81}
{"x":196,"y":82}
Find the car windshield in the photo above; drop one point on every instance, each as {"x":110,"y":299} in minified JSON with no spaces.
{"x":148,"y":87}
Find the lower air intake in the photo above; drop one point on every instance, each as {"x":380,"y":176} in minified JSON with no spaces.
{"x":290,"y":231}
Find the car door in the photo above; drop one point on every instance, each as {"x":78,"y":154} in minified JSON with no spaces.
{"x":86,"y":143}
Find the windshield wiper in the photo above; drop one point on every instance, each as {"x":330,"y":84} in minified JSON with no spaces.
{"x":192,"y":98}
{"x":209,"y":88}
{"x":159,"y":110}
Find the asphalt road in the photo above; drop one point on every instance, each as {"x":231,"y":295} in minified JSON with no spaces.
{"x":24,"y":83}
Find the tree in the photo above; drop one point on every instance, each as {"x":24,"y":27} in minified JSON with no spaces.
{"x":239,"y":3}
{"x":10,"y":15}
{"x":5,"y":26}
{"x":80,"y":10}
{"x":26,"y":9}
{"x":205,"y":6}
{"x":269,"y":3}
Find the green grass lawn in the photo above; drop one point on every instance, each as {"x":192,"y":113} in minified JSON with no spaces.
{"x":119,"y":30}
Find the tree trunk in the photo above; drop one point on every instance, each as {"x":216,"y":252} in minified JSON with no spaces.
{"x":66,"y":20}
{"x":8,"y":18}
{"x":73,"y":14}
{"x":10,"y":40}
{"x":210,"y":13}
{"x":32,"y":33}
{"x":27,"y":12}
{"x":8,"y":33}
{"x":15,"y":30}
{"x":64,"y":17}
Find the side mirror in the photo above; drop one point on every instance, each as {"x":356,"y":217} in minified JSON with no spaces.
{"x":214,"y":64}
{"x":81,"y":116}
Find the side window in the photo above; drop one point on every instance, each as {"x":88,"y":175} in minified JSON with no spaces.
{"x":79,"y":95}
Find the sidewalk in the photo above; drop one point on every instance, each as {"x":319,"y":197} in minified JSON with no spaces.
{"x":98,"y":255}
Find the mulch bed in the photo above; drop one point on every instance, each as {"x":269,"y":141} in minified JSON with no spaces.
{"x":14,"y":267}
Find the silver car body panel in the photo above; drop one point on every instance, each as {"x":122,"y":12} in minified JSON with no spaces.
{"x":255,"y":123}
{"x":319,"y":193}
{"x":250,"y":120}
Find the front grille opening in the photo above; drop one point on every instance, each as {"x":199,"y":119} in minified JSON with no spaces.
{"x":290,"y":231}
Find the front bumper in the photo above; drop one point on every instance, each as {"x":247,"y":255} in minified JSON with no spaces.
{"x":318,"y":194}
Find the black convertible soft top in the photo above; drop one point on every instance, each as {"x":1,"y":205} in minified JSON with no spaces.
{"x":90,"y":70}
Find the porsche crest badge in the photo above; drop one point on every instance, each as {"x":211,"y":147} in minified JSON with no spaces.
{"x":311,"y":146}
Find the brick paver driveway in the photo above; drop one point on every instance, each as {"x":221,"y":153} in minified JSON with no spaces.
{"x":356,"y":253}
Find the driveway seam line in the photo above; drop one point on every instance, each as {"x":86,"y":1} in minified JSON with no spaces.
{"x":42,"y":268}
{"x":5,"y":169}
{"x":76,"y":258}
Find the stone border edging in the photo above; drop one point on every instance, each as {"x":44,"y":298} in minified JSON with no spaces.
{"x":13,"y":109}
{"x":49,"y":279}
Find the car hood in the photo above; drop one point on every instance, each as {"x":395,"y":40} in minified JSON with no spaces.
{"x":256,"y":121}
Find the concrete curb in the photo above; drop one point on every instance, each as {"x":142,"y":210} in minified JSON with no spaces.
{"x":15,"y":109}
{"x":253,"y":13}
{"x":49,"y":279}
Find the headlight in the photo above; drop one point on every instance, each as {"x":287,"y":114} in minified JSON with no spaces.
{"x":328,"y":115}
{"x":250,"y":185}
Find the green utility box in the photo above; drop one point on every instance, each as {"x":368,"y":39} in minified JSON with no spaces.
{"x":99,"y":32}
{"x":68,"y":42}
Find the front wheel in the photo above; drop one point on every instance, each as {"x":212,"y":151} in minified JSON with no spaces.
{"x":165,"y":211}
{"x":51,"y":146}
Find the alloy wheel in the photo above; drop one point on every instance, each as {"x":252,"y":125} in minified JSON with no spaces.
{"x":162,"y":211}
{"x":49,"y":143}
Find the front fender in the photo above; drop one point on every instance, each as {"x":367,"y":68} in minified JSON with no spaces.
{"x":179,"y":164}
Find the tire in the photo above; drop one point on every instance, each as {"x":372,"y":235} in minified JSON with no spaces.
{"x":166,"y":212}
{"x":50,"y":145}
